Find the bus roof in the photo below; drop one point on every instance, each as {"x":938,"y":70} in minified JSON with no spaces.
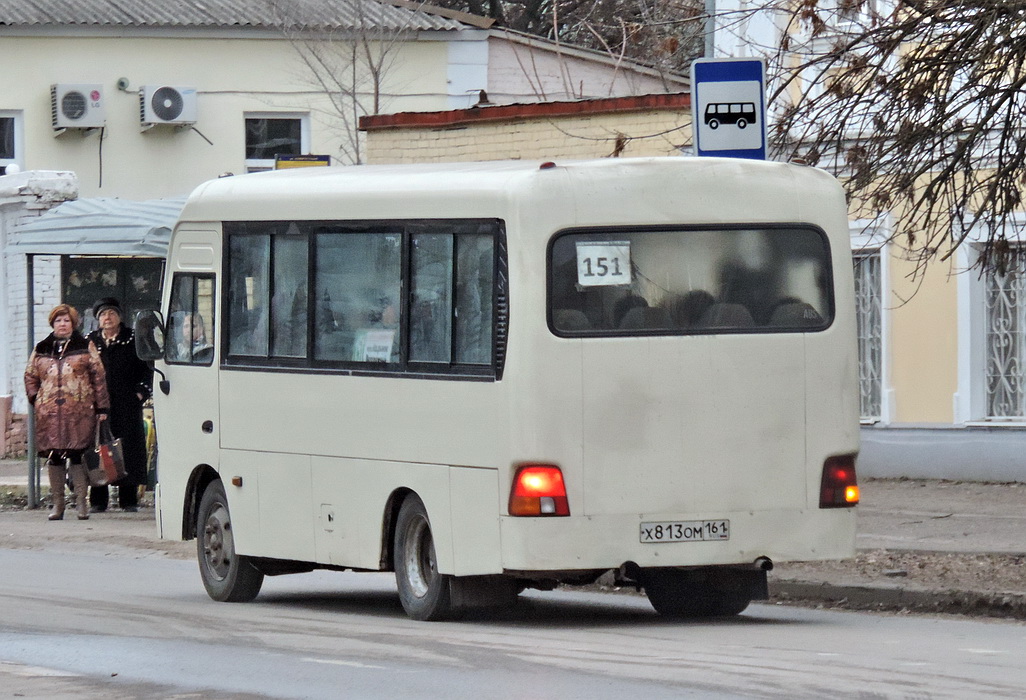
{"x":708,"y":187}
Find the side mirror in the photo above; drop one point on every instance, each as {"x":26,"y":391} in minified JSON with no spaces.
{"x":149,"y":335}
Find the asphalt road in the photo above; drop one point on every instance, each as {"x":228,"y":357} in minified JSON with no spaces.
{"x":103,"y":620}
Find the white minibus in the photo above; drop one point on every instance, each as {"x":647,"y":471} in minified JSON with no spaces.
{"x":488,"y":377}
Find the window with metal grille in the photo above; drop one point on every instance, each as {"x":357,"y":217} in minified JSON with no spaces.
{"x":1005,"y":341}
{"x":869,"y":320}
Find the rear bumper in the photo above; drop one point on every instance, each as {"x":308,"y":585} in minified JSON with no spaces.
{"x":606,"y":542}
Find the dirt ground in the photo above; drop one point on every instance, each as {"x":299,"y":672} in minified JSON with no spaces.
{"x":114,"y":532}
{"x":928,"y":571}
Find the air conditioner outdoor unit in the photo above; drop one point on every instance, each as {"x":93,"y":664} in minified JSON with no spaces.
{"x":77,"y":106}
{"x":163,"y":104}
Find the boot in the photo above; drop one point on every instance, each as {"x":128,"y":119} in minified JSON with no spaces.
{"x":80,"y":477}
{"x":56,"y":474}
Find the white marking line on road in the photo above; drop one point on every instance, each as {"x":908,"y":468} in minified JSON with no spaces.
{"x":336,"y":662}
{"x":33,"y":671}
{"x":992,"y":652}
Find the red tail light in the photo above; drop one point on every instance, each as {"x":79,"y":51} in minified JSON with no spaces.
{"x":839,"y":488}
{"x":538,"y":489}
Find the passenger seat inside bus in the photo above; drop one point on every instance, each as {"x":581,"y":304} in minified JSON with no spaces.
{"x":686,"y":311}
{"x":645,"y":318}
{"x":726,"y":316}
{"x":570,"y":320}
{"x":795,"y":314}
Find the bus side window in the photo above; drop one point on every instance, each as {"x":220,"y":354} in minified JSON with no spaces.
{"x":288,"y":303}
{"x":475,"y":274}
{"x":189,"y":339}
{"x":357,"y":282}
{"x":346,"y":289}
{"x":431,"y":298}
{"x":450,"y":325}
{"x":249,"y":268}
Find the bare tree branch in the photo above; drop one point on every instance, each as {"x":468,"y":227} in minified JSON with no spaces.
{"x":350,"y":67}
{"x":918,"y":110}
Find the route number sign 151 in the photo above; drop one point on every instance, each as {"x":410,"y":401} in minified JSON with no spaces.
{"x":603,"y":264}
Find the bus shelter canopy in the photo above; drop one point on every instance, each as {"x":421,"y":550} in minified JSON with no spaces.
{"x":99,"y":226}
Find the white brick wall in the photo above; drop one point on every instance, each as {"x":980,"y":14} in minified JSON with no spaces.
{"x":24,"y":196}
{"x":648,"y":133}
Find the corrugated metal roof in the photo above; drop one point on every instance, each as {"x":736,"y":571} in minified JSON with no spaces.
{"x":313,"y":15}
{"x":100,"y":226}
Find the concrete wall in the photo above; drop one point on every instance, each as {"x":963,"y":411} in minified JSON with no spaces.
{"x":522,"y":70}
{"x":233,"y":75}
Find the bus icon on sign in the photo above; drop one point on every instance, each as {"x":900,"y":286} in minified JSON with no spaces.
{"x":739,"y":113}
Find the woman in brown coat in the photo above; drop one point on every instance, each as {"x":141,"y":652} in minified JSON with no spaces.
{"x":66,"y":386}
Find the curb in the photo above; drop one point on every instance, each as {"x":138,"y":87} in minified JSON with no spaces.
{"x":897,"y":598}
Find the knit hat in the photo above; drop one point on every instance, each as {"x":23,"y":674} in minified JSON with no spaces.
{"x":107,"y":303}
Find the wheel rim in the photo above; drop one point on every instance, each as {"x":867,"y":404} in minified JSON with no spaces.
{"x":419,"y":559}
{"x":218,"y":544}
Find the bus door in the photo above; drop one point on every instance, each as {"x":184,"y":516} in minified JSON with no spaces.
{"x":190,"y":437}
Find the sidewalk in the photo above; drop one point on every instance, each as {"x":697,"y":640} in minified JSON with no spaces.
{"x":13,"y":472}
{"x":928,"y":546}
{"x":922,"y":545}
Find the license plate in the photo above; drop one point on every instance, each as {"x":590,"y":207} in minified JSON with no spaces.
{"x":685,"y":531}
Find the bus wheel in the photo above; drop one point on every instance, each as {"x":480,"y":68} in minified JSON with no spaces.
{"x":682,"y":594}
{"x":741,"y":123}
{"x":714,"y":124}
{"x":424,"y":593}
{"x":227,"y":576}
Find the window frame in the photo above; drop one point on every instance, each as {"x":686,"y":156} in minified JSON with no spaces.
{"x":971,"y":401}
{"x":870,"y":236}
{"x":867,"y":333}
{"x":17,"y":118}
{"x":210,"y":330}
{"x":830,"y":301}
{"x":256,"y":165}
{"x":404,"y":367}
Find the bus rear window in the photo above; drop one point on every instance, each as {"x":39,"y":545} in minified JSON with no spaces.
{"x":681,"y":281}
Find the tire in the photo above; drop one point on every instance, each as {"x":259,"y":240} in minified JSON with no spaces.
{"x":425,"y":593}
{"x":227,"y":576}
{"x":741,"y":123}
{"x":695,"y":594}
{"x":714,"y":124}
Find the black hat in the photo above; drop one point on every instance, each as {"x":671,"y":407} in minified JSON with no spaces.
{"x":107,"y":303}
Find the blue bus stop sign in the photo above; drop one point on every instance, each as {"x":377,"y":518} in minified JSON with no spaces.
{"x":728,"y":107}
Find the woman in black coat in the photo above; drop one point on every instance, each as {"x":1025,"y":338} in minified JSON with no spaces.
{"x":129,"y":382}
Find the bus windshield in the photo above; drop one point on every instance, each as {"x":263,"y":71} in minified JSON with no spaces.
{"x":666,"y":281}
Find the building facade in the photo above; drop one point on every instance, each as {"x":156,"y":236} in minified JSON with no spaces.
{"x":141,"y":101}
{"x":942,"y":347}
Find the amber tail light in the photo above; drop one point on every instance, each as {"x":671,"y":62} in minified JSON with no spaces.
{"x":839,"y":488}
